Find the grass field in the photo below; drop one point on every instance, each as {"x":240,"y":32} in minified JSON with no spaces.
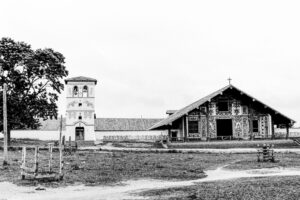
{"x":266,"y":188}
{"x":98,"y":168}
{"x":107,"y":168}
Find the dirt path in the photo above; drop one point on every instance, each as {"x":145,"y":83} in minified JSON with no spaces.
{"x":129,"y":189}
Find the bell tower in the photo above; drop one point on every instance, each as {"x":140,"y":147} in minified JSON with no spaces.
{"x":80,"y":111}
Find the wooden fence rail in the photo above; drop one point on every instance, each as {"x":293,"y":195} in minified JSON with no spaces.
{"x":139,"y":137}
{"x":34,"y":172}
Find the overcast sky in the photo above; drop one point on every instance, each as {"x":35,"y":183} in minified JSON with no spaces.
{"x":150,"y":56}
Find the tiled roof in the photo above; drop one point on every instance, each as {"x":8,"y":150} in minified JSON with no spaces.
{"x":184,"y":111}
{"x":80,"y":79}
{"x":105,"y":124}
{"x":124,"y":124}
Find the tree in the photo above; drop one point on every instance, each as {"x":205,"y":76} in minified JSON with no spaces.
{"x":34,"y":80}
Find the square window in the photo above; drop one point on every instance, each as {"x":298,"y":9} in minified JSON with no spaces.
{"x":223,"y":106}
{"x":80,"y":104}
{"x":193,"y":127}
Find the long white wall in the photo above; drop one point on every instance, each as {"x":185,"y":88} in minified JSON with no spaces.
{"x":35,"y":134}
{"x":54,"y":135}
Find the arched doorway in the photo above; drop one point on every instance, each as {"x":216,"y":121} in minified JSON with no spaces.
{"x":79,"y":133}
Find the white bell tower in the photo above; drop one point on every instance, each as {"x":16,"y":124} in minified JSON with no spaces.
{"x":80,"y":112}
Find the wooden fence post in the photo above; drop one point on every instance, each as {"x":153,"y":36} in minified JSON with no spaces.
{"x":70,"y":145}
{"x":5,"y":160}
{"x":36,"y":163}
{"x":50,"y":160}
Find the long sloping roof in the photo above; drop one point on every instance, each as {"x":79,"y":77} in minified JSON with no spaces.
{"x":52,"y":124}
{"x":80,"y":79}
{"x":124,"y":124}
{"x":187,"y":109}
{"x":105,"y":124}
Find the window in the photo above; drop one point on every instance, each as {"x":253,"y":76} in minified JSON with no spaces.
{"x":85,"y":91}
{"x":245,"y":110}
{"x":174,"y":134}
{"x":80,"y":104}
{"x":255,"y":126}
{"x":202,"y":110}
{"x":80,"y":117}
{"x":75,"y":91}
{"x":193,"y":127}
{"x":223,"y":106}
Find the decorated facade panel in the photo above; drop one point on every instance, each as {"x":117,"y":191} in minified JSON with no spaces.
{"x":237,"y":112}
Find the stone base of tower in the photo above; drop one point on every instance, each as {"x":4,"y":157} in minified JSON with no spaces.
{"x":82,"y":133}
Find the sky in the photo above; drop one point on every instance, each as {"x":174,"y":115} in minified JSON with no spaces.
{"x":151,"y":56}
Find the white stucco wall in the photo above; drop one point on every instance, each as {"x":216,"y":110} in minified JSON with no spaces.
{"x":89,"y":133}
{"x":35,"y":134}
{"x":54,"y":135}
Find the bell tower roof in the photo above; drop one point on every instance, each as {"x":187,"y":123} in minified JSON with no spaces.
{"x":81,"y":79}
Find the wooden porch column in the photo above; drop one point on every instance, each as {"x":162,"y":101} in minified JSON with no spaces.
{"x":273,"y":131}
{"x":251,"y":122}
{"x":199,"y":123}
{"x":169,"y":133}
{"x":183,"y":129}
{"x":207,"y":122}
{"x":287,"y":131}
{"x":187,"y":127}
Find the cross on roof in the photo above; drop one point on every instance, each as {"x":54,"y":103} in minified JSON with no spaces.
{"x":229,"y":80}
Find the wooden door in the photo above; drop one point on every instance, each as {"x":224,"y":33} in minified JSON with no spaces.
{"x":79,"y":133}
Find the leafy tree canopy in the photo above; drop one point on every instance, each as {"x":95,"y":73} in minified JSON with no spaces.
{"x":33,"y":79}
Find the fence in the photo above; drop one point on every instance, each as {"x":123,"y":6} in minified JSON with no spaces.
{"x":134,"y":137}
{"x":283,"y":134}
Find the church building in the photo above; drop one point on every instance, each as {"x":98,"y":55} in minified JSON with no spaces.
{"x":228,"y":113}
{"x":80,"y":122}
